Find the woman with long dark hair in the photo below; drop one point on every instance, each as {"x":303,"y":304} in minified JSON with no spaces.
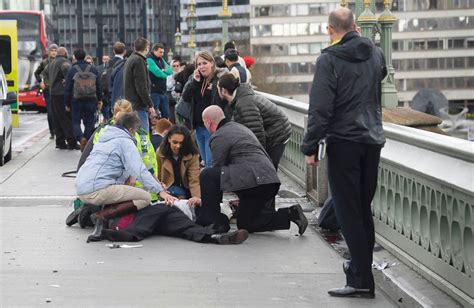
{"x":178,"y":164}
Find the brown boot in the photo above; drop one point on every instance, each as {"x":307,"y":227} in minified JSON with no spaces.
{"x":109,"y":211}
{"x":83,"y":143}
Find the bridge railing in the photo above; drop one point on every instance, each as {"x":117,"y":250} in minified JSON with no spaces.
{"x":424,"y":204}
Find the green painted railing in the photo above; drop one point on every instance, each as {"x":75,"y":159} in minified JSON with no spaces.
{"x":424,"y":205}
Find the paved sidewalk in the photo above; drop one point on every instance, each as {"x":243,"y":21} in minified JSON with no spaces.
{"x":45,"y":263}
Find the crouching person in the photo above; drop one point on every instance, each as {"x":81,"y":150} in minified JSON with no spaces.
{"x":107,"y":177}
{"x":241,"y":165}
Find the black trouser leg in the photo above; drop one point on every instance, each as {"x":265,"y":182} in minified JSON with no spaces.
{"x":62,"y":122}
{"x":352,"y":177}
{"x":252,"y":216}
{"x":211,"y":197}
{"x":276,"y":153}
{"x":369,"y":176}
{"x":177,"y":224}
{"x":146,"y":222}
{"x":49,"y":110}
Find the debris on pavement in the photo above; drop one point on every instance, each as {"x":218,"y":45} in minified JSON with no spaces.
{"x":381,"y":266}
{"x":113,"y":246}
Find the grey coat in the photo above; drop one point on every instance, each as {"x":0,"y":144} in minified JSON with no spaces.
{"x":57,"y":75}
{"x":244,"y":162}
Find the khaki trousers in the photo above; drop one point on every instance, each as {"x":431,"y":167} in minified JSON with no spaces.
{"x":118,"y":193}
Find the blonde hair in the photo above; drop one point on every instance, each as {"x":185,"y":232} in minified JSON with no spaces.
{"x":122,"y":106}
{"x":207,"y":55}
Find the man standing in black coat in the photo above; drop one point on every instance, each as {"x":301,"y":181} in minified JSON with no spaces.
{"x":136,"y":82}
{"x":241,"y":165}
{"x":345,"y":108}
{"x":42,"y":76}
{"x":61,"y":113}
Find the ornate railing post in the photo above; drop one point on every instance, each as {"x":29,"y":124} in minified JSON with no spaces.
{"x":389,"y":92}
{"x":367,"y":21}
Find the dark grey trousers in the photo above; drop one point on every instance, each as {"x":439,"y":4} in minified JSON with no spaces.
{"x":165,"y":220}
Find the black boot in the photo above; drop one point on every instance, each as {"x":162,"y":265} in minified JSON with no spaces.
{"x":110,"y":211}
{"x":117,"y":236}
{"x":87,"y":210}
{"x":235,"y":237}
{"x":99,"y":226}
{"x":297,"y":216}
{"x":73,"y":217}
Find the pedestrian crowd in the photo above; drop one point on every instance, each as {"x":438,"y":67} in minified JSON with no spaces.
{"x":175,"y":137}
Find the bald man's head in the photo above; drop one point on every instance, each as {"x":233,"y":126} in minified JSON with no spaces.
{"x":62,"y":51}
{"x":211,"y":117}
{"x":342,"y":20}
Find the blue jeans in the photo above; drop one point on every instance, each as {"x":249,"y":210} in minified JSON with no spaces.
{"x":161,"y":103}
{"x":85,"y":111}
{"x":202,"y":139}
{"x":144,"y":121}
{"x":179,"y":191}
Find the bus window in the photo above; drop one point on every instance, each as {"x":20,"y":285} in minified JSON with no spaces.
{"x":5,"y":53}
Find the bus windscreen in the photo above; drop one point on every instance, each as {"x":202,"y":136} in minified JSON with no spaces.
{"x":28,"y":25}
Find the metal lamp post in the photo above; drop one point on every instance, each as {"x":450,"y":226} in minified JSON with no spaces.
{"x":177,"y":42}
{"x":191,"y":21}
{"x":225,"y":14}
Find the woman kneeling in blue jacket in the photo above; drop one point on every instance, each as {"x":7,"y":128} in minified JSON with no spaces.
{"x":108,"y":176}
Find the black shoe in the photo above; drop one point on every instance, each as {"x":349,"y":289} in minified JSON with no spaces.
{"x":230,"y":238}
{"x":297,"y":216}
{"x":349,"y":291}
{"x":96,"y":235}
{"x":72,"y":218}
{"x":117,"y":236}
{"x":220,"y":229}
{"x":61,"y":146}
{"x":73,"y":146}
{"x":84,"y":218}
{"x":345,"y":265}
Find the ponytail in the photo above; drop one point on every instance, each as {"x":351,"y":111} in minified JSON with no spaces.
{"x":229,"y":82}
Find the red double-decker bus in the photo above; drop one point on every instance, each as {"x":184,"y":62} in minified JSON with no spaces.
{"x":32,"y":47}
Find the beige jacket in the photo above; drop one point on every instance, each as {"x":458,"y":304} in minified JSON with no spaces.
{"x":189,"y":172}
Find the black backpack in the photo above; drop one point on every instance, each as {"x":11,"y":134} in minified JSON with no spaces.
{"x":84,"y":84}
{"x":104,"y":79}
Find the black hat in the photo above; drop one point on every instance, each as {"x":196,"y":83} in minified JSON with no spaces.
{"x":229,"y":45}
{"x":231,"y":55}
